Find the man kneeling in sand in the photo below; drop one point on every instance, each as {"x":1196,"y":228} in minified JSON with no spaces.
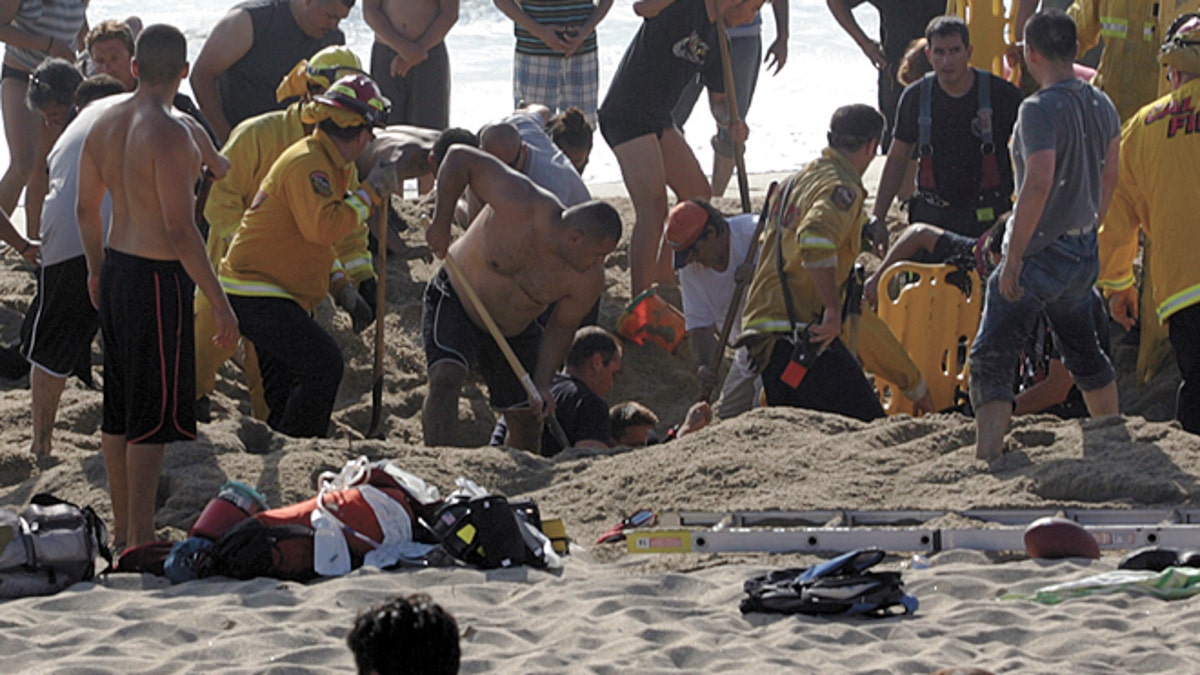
{"x":143,"y":291}
{"x":521,"y":256}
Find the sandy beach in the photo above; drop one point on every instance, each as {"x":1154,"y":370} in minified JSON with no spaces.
{"x":608,"y":611}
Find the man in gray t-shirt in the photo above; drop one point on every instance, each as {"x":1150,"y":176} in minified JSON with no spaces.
{"x":1065,"y":147}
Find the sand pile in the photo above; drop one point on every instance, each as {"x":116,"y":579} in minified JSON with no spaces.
{"x":608,"y":611}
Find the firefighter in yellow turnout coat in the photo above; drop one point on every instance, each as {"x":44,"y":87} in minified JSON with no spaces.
{"x":252,"y":148}
{"x":1160,"y":162}
{"x":1127,"y":71}
{"x":277,"y":268}
{"x":812,"y":236}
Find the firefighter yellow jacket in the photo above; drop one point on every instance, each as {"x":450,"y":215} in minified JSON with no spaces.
{"x":252,"y":149}
{"x":310,"y":199}
{"x":822,"y":213}
{"x":1160,"y":163}
{"x":1128,"y":71}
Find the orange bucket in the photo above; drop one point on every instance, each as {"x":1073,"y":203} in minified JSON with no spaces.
{"x":650,"y":319}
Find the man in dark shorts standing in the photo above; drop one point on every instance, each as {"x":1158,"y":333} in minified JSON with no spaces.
{"x":250,"y":50}
{"x":62,"y":322}
{"x":410,"y":62}
{"x":677,"y":40}
{"x":522,"y":255}
{"x":142,"y":282}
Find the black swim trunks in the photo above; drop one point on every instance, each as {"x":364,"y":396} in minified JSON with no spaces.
{"x":149,"y":352}
{"x":450,"y":335}
{"x":617,"y":131}
{"x":64,"y":322}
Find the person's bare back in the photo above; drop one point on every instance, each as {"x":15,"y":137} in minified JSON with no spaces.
{"x":406,"y":146}
{"x":148,"y":161}
{"x":133,"y":175}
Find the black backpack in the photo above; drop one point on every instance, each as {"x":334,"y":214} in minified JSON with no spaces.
{"x":839,"y":587}
{"x":251,"y":549}
{"x":50,"y":545}
{"x":489,"y":531}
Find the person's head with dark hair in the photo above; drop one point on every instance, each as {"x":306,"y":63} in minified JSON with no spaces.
{"x":631,"y":424}
{"x":405,"y":635}
{"x":915,"y":64}
{"x":1052,"y":34}
{"x":160,"y":55}
{"x":854,"y":126}
{"x":594,"y":230}
{"x":52,"y":90}
{"x":449,"y":137}
{"x":110,"y":46}
{"x":948,"y":50}
{"x":317,"y":18}
{"x":95,"y":88}
{"x":592,"y":341}
{"x":698,"y":233}
{"x":573,"y":135}
{"x":946,"y":26}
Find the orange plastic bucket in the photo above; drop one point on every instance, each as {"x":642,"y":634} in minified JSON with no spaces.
{"x":650,"y":319}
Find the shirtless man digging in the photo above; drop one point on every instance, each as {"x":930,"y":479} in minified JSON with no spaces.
{"x":142,"y":282}
{"x":521,"y":255}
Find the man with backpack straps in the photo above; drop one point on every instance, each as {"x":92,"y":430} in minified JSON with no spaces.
{"x":958,"y":121}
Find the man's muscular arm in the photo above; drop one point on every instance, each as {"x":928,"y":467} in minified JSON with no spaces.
{"x":505,"y":190}
{"x":229,"y":41}
{"x":176,"y":166}
{"x":440,"y":26}
{"x":560,"y":329}
{"x":88,"y":203}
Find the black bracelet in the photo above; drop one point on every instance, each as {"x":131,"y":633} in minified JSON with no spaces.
{"x":27,"y":245}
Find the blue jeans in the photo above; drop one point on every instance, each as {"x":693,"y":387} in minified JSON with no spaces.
{"x":1057,"y":281}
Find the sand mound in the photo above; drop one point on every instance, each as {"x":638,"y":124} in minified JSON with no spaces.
{"x":607,"y":610}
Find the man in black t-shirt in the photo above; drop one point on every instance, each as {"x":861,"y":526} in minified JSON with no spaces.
{"x":900,"y":22}
{"x":579,"y":391}
{"x":965,"y":177}
{"x":677,"y":40}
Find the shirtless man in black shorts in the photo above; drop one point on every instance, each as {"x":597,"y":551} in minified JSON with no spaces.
{"x":142,"y":282}
{"x":522,"y":255}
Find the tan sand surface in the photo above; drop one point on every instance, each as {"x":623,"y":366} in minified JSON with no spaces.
{"x":608,"y":611}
